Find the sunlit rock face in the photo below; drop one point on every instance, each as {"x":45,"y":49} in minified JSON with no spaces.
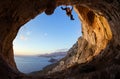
{"x":96,"y":36}
{"x":95,"y":55}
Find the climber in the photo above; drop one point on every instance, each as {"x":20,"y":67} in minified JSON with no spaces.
{"x":68,"y":12}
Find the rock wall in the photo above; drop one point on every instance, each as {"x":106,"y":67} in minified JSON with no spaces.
{"x":95,"y":53}
{"x":98,"y":50}
{"x":14,"y":14}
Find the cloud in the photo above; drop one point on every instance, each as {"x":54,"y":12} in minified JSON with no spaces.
{"x":45,"y":34}
{"x":28,"y":33}
{"x":61,"y":50}
{"x":22,"y":37}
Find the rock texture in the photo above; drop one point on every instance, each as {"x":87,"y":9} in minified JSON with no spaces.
{"x":96,"y":54}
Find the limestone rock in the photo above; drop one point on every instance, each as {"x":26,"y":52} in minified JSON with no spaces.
{"x":98,"y":50}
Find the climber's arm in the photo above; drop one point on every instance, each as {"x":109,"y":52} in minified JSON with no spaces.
{"x":63,"y":8}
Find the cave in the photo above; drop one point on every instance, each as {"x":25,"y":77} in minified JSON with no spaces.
{"x":94,"y":56}
{"x":43,"y":40}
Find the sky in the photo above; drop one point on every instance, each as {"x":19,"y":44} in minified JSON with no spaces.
{"x":47,"y":33}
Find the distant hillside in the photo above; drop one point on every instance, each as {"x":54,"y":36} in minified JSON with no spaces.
{"x":54,"y":54}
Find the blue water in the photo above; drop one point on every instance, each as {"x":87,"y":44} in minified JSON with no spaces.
{"x":27,"y":64}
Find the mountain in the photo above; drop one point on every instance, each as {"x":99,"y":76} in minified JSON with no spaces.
{"x":54,"y":54}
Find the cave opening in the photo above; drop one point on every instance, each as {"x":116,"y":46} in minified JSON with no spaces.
{"x":42,"y":36}
{"x":98,"y":47}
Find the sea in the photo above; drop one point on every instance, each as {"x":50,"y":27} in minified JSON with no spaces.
{"x":28,"y":64}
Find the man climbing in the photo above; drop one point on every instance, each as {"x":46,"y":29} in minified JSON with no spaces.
{"x":68,"y":12}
